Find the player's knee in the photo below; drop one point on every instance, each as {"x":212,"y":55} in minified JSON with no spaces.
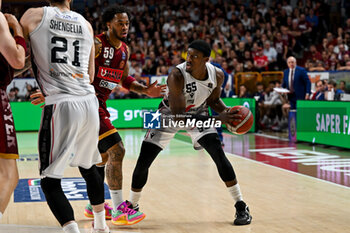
{"x":116,"y":153}
{"x":104,"y":157}
{"x":50,"y":186}
{"x":94,"y":183}
{"x":9,"y":173}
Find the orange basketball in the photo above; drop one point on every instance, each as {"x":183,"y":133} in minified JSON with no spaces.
{"x":244,"y":124}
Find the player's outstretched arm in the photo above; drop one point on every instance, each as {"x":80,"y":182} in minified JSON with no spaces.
{"x":132,"y":84}
{"x":11,"y":49}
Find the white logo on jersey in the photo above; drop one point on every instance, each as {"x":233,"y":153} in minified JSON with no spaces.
{"x":103,"y":72}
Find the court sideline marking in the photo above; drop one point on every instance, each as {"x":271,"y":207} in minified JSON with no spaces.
{"x":292,"y":172}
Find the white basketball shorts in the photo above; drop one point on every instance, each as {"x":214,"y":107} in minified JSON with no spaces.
{"x":69,"y":135}
{"x":162,"y":136}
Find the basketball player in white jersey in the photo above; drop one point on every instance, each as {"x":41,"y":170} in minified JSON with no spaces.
{"x":192,"y":86}
{"x":63,"y":62}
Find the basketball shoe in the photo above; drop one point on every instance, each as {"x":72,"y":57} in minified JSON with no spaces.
{"x":243,"y":216}
{"x":126,"y":215}
{"x":88,"y":211}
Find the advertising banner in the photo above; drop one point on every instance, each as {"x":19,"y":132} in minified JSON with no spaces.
{"x":125,"y":113}
{"x":324,"y":122}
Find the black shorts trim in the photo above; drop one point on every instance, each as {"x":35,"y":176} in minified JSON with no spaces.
{"x":109,"y":141}
{"x":45,"y":138}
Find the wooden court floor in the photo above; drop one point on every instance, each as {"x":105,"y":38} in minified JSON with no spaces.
{"x":185,"y":194}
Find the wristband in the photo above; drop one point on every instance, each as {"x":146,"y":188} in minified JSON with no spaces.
{"x":21,"y":41}
{"x":127,"y":82}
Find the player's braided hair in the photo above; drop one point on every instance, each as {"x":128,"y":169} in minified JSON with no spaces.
{"x":110,"y":12}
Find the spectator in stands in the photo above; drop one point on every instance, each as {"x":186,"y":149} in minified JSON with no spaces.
{"x":335,"y":93}
{"x":313,"y":54}
{"x":342,"y":86}
{"x":320,"y":90}
{"x":281,"y":49}
{"x":271,"y":54}
{"x":261,"y":61}
{"x":318,"y":66}
{"x":12,"y":95}
{"x":346,"y":67}
{"x":333,"y":62}
{"x":296,"y":80}
{"x":259,"y":94}
{"x":340,"y":42}
{"x":312,"y":19}
{"x":342,"y":54}
{"x":161,"y":31}
{"x":243,"y":92}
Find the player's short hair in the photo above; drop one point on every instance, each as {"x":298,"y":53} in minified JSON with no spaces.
{"x":201,"y":46}
{"x":110,"y":12}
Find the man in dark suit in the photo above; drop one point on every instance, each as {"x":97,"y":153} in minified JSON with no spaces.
{"x":296,"y":80}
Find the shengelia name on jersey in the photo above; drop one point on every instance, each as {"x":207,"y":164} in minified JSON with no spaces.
{"x":65,"y":26}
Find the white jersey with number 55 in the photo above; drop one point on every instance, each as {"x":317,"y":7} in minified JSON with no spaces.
{"x":61,"y":46}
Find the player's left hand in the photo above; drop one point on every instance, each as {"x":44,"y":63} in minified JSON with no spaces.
{"x":155,"y":91}
{"x":38,"y":98}
{"x":11,"y":20}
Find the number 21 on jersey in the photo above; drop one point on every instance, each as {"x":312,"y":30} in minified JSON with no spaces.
{"x":55,"y":58}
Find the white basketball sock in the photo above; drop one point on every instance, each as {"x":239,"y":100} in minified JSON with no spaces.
{"x":99,"y":220}
{"x":0,"y":215}
{"x":235,"y":192}
{"x":71,"y":228}
{"x":117,"y":197}
{"x":134,"y":197}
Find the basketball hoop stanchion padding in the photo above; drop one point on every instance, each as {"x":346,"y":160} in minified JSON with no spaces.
{"x":292,"y":125}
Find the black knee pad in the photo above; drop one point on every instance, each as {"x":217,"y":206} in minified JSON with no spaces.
{"x":101,"y":171}
{"x":56,"y":200}
{"x":94,"y":185}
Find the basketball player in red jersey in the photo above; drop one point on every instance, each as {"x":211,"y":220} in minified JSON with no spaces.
{"x":12,"y":56}
{"x":111,"y":68}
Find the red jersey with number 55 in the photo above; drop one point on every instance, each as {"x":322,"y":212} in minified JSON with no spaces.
{"x":109,"y":67}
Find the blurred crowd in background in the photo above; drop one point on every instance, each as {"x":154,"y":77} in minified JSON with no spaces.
{"x":245,"y":36}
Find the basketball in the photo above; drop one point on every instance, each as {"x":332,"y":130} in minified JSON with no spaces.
{"x":244,"y":124}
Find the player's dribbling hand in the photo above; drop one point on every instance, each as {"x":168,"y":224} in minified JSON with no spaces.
{"x":155,"y":91}
{"x":38,"y":98}
{"x":11,"y":20}
{"x":226,"y":116}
